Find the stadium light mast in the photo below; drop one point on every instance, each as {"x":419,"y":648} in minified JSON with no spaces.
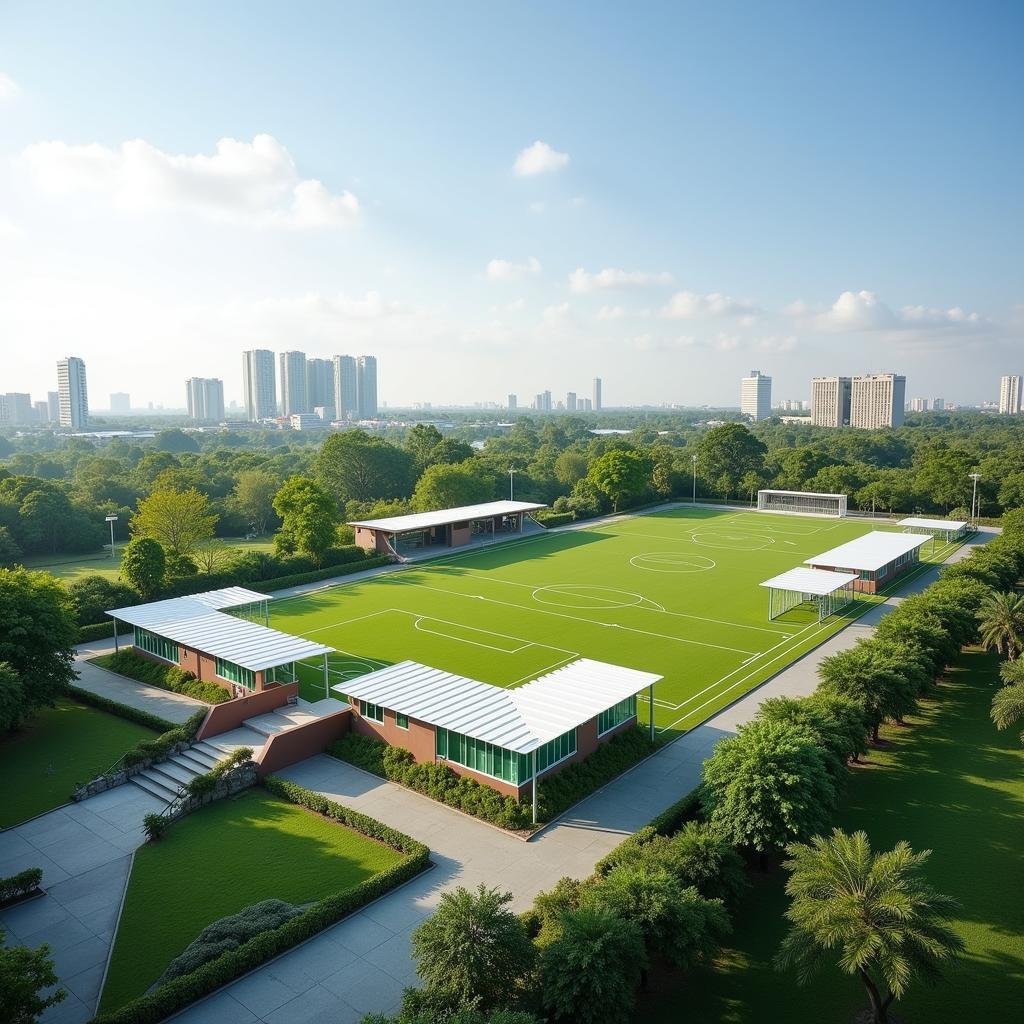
{"x":511,"y":474}
{"x":112,"y":519}
{"x":974,"y":496}
{"x":694,"y":457}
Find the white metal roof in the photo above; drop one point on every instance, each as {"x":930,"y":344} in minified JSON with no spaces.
{"x":810,"y":581}
{"x":870,"y":552}
{"x":801,"y":494}
{"x":520,"y":719}
{"x":444,"y":516}
{"x":187,"y":607}
{"x":932,"y":524}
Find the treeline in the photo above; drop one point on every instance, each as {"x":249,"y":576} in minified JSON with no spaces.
{"x":668,"y":896}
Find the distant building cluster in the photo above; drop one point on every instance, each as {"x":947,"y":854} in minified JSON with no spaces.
{"x":543,"y":402}
{"x":869,"y":401}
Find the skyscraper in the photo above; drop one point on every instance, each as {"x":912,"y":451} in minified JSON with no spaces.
{"x":346,"y":388}
{"x":938,"y":404}
{"x":830,"y":401}
{"x":919,"y":405}
{"x":293,"y":383}
{"x":73,"y":393}
{"x":259,"y":385}
{"x":570,"y":401}
{"x":756,"y":396}
{"x":876,"y":400}
{"x":120,"y":403}
{"x":53,"y":407}
{"x":513,"y":402}
{"x":366,"y":386}
{"x":597,"y":394}
{"x":1010,"y":394}
{"x":205,"y":397}
{"x":16,"y":408}
{"x":320,"y":385}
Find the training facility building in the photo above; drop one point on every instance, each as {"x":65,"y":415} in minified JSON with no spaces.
{"x":503,"y":738}
{"x":802,"y":503}
{"x":446,"y":527}
{"x":874,"y":559}
{"x":221,"y":637}
{"x":827,"y":590}
{"x":948,"y":529}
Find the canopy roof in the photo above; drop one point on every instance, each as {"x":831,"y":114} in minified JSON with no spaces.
{"x":870,"y":552}
{"x":446,"y":516}
{"x":187,"y":607}
{"x":520,"y":719}
{"x":953,"y":525}
{"x":811,"y":581}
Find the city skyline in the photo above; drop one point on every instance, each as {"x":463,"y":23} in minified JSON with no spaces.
{"x":531,"y":231}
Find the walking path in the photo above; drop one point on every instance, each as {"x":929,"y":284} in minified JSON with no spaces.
{"x":362,"y":964}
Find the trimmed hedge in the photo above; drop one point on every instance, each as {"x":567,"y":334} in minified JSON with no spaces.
{"x":282,"y":582}
{"x":19,"y":885}
{"x":178,"y":993}
{"x":554,"y":518}
{"x":166,"y":677}
{"x":97,"y":631}
{"x":670,"y":821}
{"x":123,"y":710}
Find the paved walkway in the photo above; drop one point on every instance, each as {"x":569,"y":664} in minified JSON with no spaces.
{"x":84,"y":850}
{"x":362,"y":964}
{"x":172,"y":707}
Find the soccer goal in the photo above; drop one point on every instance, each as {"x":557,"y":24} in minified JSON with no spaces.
{"x":802,"y":503}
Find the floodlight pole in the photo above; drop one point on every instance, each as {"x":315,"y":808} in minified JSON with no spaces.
{"x":112,"y":519}
{"x":974,"y":497}
{"x":511,"y":474}
{"x":694,"y":501}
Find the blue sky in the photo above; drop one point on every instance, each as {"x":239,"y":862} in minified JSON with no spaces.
{"x":796,"y":187}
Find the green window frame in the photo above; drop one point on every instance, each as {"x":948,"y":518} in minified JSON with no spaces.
{"x":616,"y":715}
{"x":402,"y":721}
{"x":484,"y":758}
{"x":282,"y":674}
{"x":556,"y":750}
{"x":236,"y":674}
{"x":374,"y":712}
{"x":159,"y":646}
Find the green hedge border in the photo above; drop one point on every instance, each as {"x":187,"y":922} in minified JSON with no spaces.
{"x":180,"y":992}
{"x":122,"y":710}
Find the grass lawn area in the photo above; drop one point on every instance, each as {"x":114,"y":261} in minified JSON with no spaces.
{"x":950,"y":783}
{"x":219,"y":860}
{"x":673,"y":592}
{"x":60,"y":746}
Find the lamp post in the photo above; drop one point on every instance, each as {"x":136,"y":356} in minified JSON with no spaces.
{"x":112,"y":519}
{"x":511,"y":489}
{"x":974,"y":496}
{"x":694,"y":457}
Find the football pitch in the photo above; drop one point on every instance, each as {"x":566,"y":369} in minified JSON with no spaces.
{"x":673,"y":592}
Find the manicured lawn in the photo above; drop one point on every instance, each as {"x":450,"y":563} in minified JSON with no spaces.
{"x":219,"y":860}
{"x":59,"y":747}
{"x":673,"y":592}
{"x":950,"y":783}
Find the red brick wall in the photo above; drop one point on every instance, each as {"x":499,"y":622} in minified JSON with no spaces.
{"x":370,"y":540}
{"x":231,"y":714}
{"x":294,"y":745}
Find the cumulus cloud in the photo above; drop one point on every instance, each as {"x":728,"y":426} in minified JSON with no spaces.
{"x":865,"y":311}
{"x":253,"y":183}
{"x":611,"y":313}
{"x":506,"y":270}
{"x":687,"y":305}
{"x":581,"y":282}
{"x":539,"y":158}
{"x":9,"y":88}
{"x":775,"y":343}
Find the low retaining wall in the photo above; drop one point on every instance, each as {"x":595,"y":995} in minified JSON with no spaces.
{"x":114,"y":779}
{"x":293,"y":745}
{"x":231,"y":714}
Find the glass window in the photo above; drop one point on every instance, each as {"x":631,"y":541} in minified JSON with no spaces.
{"x":616,"y":715}
{"x":402,"y":721}
{"x":374,"y":712}
{"x":236,"y":674}
{"x":556,"y":750}
{"x":482,"y":757}
{"x":158,"y":646}
{"x":441,"y":742}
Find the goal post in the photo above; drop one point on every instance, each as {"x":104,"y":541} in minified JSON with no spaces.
{"x":802,"y":503}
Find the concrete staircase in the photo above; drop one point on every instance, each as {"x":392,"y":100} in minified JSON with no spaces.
{"x":166,"y":779}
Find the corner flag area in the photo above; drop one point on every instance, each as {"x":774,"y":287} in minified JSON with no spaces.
{"x":673,"y":592}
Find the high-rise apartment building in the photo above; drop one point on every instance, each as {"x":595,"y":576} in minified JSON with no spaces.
{"x":830,"y":401}
{"x":513,"y":402}
{"x":570,"y":401}
{"x":919,"y":405}
{"x":52,"y":407}
{"x":205,"y":396}
{"x":366,"y":387}
{"x":597,"y":394}
{"x":938,"y":404}
{"x":756,"y":395}
{"x":292,"y":374}
{"x":1010,"y":394}
{"x":120,"y":403}
{"x":16,"y":408}
{"x":320,"y":386}
{"x":876,"y":400}
{"x":346,"y":388}
{"x":42,"y":411}
{"x":73,"y":393}
{"x":259,"y":384}
{"x":585,"y":405}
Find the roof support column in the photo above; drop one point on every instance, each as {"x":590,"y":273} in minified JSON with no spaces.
{"x":116,"y":648}
{"x":650,"y":704}
{"x":327,"y":688}
{"x":533,"y":759}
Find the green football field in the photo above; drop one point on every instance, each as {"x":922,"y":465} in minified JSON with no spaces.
{"x":672,"y":592}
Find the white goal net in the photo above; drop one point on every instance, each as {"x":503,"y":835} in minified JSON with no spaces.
{"x":802,"y":503}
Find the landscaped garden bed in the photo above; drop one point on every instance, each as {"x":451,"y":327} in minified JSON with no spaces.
{"x":165,"y":677}
{"x":319,"y":857}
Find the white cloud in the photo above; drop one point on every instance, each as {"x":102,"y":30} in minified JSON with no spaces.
{"x":253,"y":183}
{"x":650,"y":343}
{"x":506,"y":270}
{"x":727,"y":342}
{"x":611,"y":313}
{"x":865,"y":311}
{"x":921,"y":316}
{"x":581,"y":282}
{"x":559,"y":312}
{"x":539,"y":158}
{"x":687,"y":305}
{"x":796,"y":309}
{"x":775,"y":343}
{"x":9,"y":88}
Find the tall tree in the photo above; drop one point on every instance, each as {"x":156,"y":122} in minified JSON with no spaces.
{"x":253,"y":497}
{"x":352,"y":465}
{"x":24,"y":975}
{"x":1008,"y":702}
{"x":726,"y":454}
{"x":309,"y":518}
{"x":622,"y":475}
{"x":473,"y":949}
{"x":1001,"y":623}
{"x":37,"y":632}
{"x":446,"y":486}
{"x":144,"y":566}
{"x":12,"y":698}
{"x":178,"y":520}
{"x":874,"y":911}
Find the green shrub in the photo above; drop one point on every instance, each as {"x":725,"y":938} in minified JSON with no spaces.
{"x":20,"y":884}
{"x":282,"y":582}
{"x":363,"y":752}
{"x":233,"y":760}
{"x":165,"y":677}
{"x":155,"y":825}
{"x":201,"y":785}
{"x":550,"y":519}
{"x":95,"y":631}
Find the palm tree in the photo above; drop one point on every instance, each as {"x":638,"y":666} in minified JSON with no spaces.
{"x":1008,"y":703}
{"x":887,"y":924}
{"x":1002,"y":623}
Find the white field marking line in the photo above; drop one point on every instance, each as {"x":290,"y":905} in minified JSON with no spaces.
{"x":578,"y":618}
{"x":824,"y":625}
{"x":665,"y":611}
{"x":345,"y":622}
{"x":748,"y":518}
{"x":476,"y":643}
{"x":543,"y":671}
{"x":560,"y":589}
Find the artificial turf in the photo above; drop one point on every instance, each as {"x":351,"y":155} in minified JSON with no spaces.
{"x":673,"y":592}
{"x":217,"y":861}
{"x":57,"y":748}
{"x":949,"y":782}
